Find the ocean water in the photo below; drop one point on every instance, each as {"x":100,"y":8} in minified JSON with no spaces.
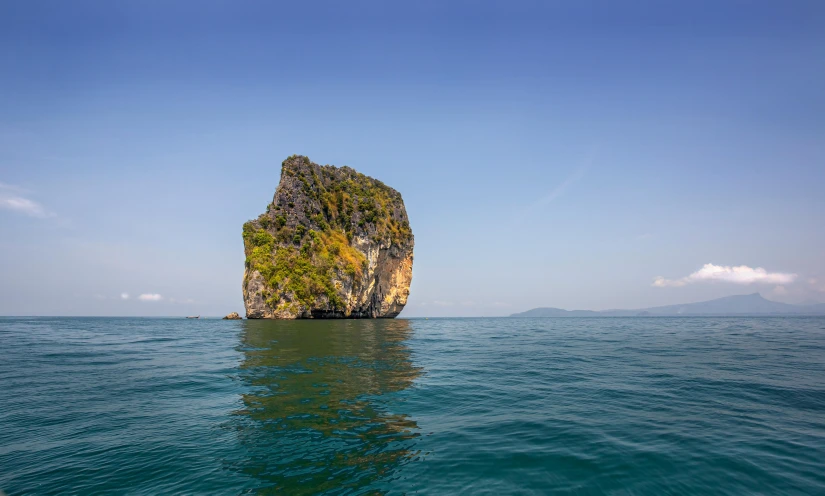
{"x":441,"y":406}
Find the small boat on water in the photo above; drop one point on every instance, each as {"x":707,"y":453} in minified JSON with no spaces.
{"x":194,"y":317}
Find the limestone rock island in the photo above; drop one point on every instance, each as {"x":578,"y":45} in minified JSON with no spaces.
{"x":333,"y":243}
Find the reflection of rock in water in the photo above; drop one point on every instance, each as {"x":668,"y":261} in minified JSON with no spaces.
{"x":322,"y":407}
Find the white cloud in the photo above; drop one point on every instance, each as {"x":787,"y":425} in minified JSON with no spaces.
{"x":124,"y":296}
{"x":150,"y":297}
{"x":11,"y":199}
{"x":780,"y":290}
{"x":24,"y":206}
{"x":661,"y":282}
{"x":741,"y":274}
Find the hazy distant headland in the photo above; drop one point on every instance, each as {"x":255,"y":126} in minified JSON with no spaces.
{"x":750,"y":304}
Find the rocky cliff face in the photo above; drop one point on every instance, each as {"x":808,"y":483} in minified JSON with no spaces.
{"x":333,"y":243}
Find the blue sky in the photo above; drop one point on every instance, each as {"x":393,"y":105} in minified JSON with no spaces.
{"x":549,"y":153}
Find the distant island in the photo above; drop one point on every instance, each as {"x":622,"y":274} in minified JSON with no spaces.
{"x":333,"y":243}
{"x":750,"y":304}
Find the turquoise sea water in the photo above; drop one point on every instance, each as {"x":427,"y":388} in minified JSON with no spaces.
{"x":474,"y":406}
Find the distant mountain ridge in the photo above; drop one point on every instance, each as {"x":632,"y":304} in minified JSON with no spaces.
{"x":750,"y":304}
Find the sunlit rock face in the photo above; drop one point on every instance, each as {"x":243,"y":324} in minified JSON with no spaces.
{"x":333,"y":243}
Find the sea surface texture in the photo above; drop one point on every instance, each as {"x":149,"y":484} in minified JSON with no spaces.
{"x":454,"y":406}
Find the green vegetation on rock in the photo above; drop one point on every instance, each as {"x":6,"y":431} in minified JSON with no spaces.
{"x":306,"y":269}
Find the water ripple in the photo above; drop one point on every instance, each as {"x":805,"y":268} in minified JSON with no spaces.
{"x":441,"y":406}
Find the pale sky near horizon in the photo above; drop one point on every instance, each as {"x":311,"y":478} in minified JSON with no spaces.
{"x":581,"y":155}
